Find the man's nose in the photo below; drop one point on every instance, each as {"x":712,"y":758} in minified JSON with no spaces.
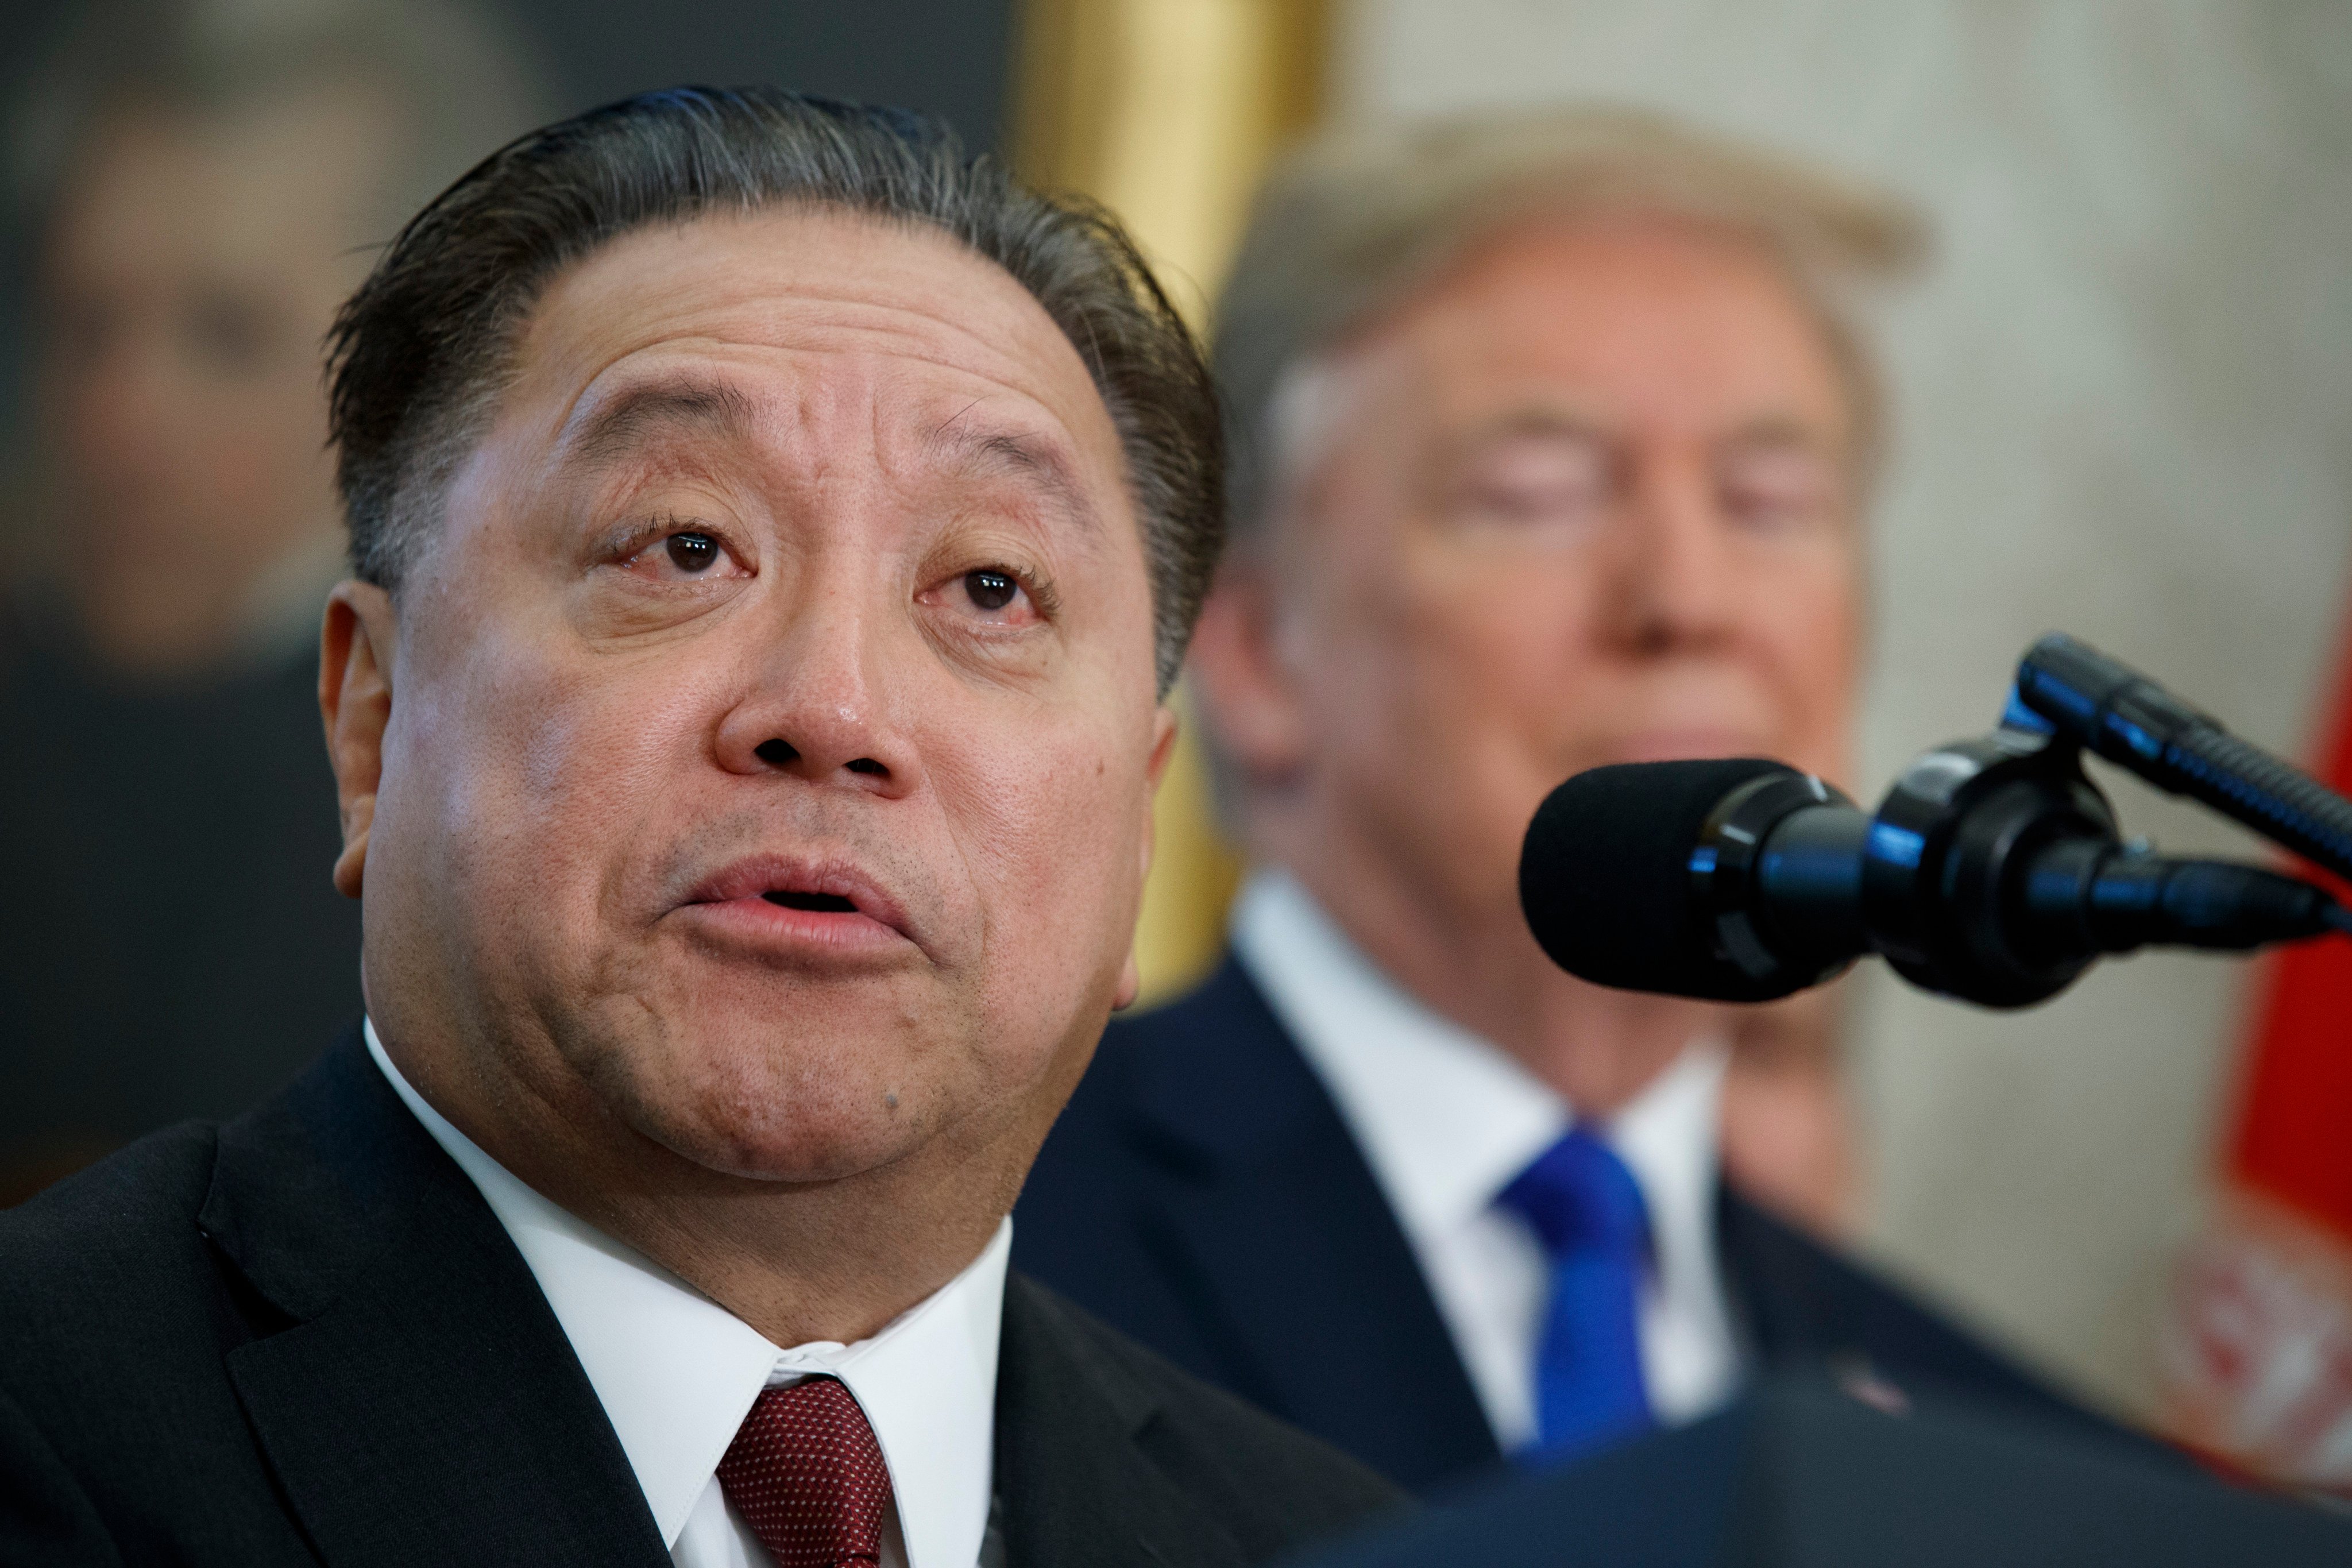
{"x":1676,"y":584}
{"x":816,"y":703}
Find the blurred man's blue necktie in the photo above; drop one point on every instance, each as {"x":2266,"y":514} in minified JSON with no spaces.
{"x":1587,"y":1210}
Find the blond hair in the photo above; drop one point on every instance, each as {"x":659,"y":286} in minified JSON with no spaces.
{"x":1356,"y":220}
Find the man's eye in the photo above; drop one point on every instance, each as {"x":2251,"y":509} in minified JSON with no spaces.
{"x":692,"y":553}
{"x":991,"y":589}
{"x":1532,"y":481}
{"x":1779,"y":490}
{"x":993,"y":597}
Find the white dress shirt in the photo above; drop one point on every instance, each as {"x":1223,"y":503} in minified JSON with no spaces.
{"x":677,"y":1373}
{"x":1446,"y":1121}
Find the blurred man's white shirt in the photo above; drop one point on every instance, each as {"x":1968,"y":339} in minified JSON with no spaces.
{"x":1446,"y":1121}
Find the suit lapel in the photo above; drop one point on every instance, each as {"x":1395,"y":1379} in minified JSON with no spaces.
{"x":1772,"y":1308}
{"x":1077,"y":1488}
{"x":1279,"y":1234}
{"x":423,"y":1404}
{"x":1803,"y":1305}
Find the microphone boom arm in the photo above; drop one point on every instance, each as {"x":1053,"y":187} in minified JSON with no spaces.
{"x":2068,"y":688}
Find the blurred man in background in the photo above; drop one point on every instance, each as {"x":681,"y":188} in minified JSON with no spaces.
{"x":1553,"y":440}
{"x":205,"y":182}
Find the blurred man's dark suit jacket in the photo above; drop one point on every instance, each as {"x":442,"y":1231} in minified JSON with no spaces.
{"x":171,"y":942}
{"x":1203,"y":1193}
{"x":304,"y":1338}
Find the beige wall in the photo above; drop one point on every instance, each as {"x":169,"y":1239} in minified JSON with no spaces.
{"x":2124,"y":396}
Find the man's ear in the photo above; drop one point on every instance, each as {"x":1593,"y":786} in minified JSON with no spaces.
{"x":1130,"y":983}
{"x":1155,"y":772}
{"x":1164,"y":728}
{"x":1240,"y":677}
{"x":357,"y":643}
{"x":1163,"y":748}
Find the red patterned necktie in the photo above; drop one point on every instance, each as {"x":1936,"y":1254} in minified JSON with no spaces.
{"x":808,"y":1478}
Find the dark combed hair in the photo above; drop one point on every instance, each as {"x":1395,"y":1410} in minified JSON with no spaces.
{"x":418,"y":357}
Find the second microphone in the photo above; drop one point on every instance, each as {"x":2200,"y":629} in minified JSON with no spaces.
{"x":1992,"y":872}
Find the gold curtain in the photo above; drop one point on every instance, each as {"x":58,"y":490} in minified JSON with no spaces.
{"x":1167,"y":111}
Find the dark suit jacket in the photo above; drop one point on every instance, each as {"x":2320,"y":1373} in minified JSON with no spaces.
{"x":1203,"y":1193}
{"x":303,"y":1338}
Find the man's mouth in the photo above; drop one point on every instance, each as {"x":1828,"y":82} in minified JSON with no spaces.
{"x":794,"y":898}
{"x":786,"y":904}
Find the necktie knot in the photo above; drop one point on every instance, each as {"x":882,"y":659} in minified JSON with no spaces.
{"x":1578,"y":1194}
{"x":807,"y":1476}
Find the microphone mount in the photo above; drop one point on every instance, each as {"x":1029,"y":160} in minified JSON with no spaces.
{"x":1992,"y":871}
{"x":1954,"y":855}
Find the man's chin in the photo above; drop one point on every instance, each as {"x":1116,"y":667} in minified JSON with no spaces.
{"x":789,"y":1140}
{"x":1685,"y":745}
{"x":747,"y":1096}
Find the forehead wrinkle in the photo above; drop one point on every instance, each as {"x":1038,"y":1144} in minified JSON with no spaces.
{"x":620,"y":426}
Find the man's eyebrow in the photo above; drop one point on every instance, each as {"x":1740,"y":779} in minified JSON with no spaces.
{"x":1463,"y":444}
{"x":1781,"y":430}
{"x":619,"y":424}
{"x":1566,"y":424}
{"x":1782,"y":433}
{"x":1039,"y":459}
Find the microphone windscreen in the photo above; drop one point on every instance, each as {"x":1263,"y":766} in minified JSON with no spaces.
{"x":1605,"y":881}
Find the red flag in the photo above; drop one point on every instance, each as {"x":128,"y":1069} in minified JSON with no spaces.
{"x":2257,"y":1358}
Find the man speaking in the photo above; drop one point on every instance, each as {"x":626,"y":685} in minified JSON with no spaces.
{"x":772,"y":538}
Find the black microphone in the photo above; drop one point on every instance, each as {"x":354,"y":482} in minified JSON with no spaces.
{"x":1607,"y":884}
{"x":1991,"y":873}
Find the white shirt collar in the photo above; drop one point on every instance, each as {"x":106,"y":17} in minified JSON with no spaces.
{"x":677,"y":1373}
{"x":1446,"y":1119}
